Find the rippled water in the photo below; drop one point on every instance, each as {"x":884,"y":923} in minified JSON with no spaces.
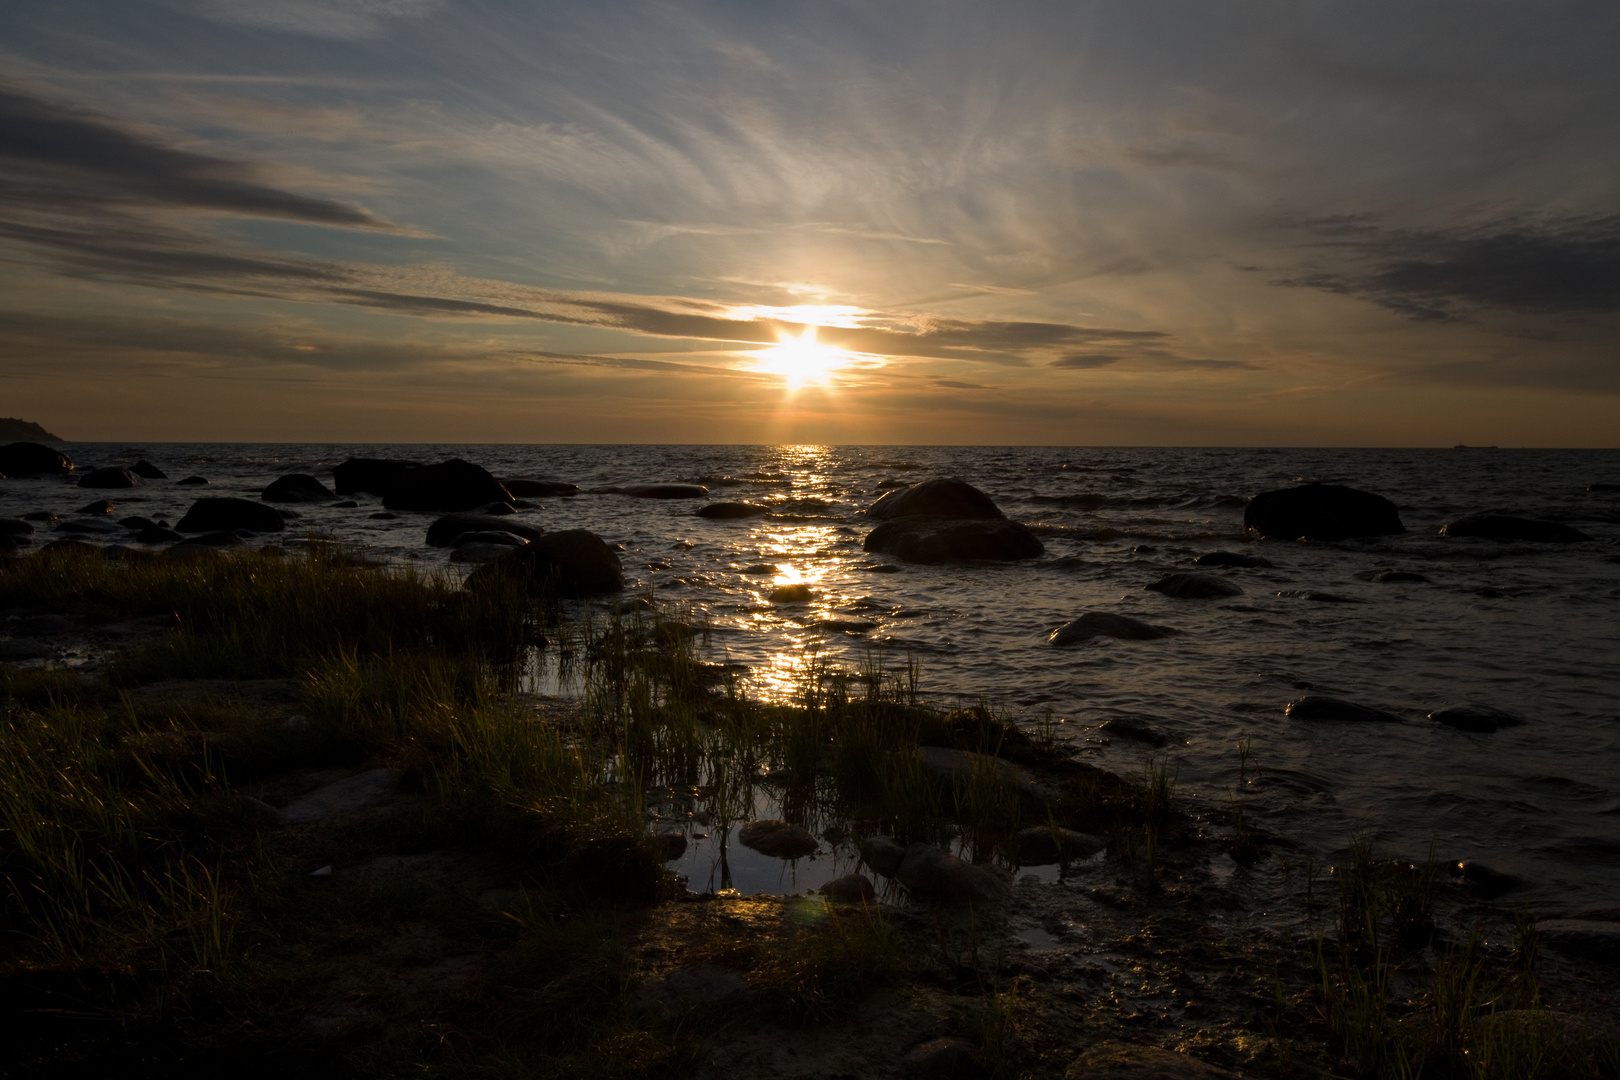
{"x":1534,"y":629}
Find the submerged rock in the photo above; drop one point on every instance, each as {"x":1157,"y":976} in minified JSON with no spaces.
{"x":1317,"y":597}
{"x":1106,"y":624}
{"x":369,"y":475}
{"x":1043,"y":845}
{"x":951,"y":765}
{"x":1489,"y":883}
{"x":216,"y":514}
{"x":1588,"y":939}
{"x":15,"y":527}
{"x":1124,"y":1061}
{"x":1477,"y":718}
{"x":449,"y":485}
{"x":1232,"y":558}
{"x":850,"y":889}
{"x":33,"y":459}
{"x":573,"y":562}
{"x":113,"y":476}
{"x":948,"y":498}
{"x":665,"y":491}
{"x":929,"y":541}
{"x":296,"y":488}
{"x":778,"y":839}
{"x":539,"y":489}
{"x":101,"y":506}
{"x":1321,"y":512}
{"x":729,"y":510}
{"x":1318,"y":707}
{"x":192,"y":481}
{"x":931,"y":873}
{"x":1122,"y":728}
{"x":1399,"y":577}
{"x":1507,"y":527}
{"x":1194,"y":587}
{"x":796,"y":593}
{"x":445,"y":531}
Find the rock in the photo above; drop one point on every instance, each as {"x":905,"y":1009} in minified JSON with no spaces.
{"x":219,"y":538}
{"x":1487,"y":882}
{"x":931,"y":541}
{"x":15,"y":527}
{"x":23,"y":649}
{"x":1316,"y":707}
{"x":883,"y":854}
{"x":113,"y":476}
{"x":728,"y":510}
{"x":945,"y":763}
{"x":224,"y":514}
{"x":665,"y":491}
{"x":948,"y":498}
{"x":690,"y":987}
{"x":573,"y":562}
{"x":383,"y":515}
{"x":70,"y":547}
{"x":670,"y":845}
{"x":1194,"y":587}
{"x":760,"y":568}
{"x":1584,"y":938}
{"x":346,"y":504}
{"x":358,"y":794}
{"x":99,"y":528}
{"x":10,"y":543}
{"x":449,"y":485}
{"x":192,"y":481}
{"x":33,"y":459}
{"x":1603,"y":487}
{"x":1106,"y":624}
{"x":1476,"y":718}
{"x":40,"y":515}
{"x":1043,"y":845}
{"x":943,"y":1059}
{"x":1506,"y":527}
{"x":1317,"y":597}
{"x":296,"y":488}
{"x":1399,"y":577}
{"x":443,"y":532}
{"x":1321,"y":512}
{"x":497,"y":509}
{"x":136,"y":523}
{"x":495,"y":537}
{"x":1232,"y":558}
{"x":156,"y":535}
{"x":796,"y":593}
{"x":479,"y":553}
{"x":100,"y":506}
{"x":369,"y":475}
{"x":1121,"y":728}
{"x":1123,"y":1061}
{"x":778,"y":838}
{"x":539,"y":489}
{"x":931,"y":873}
{"x":850,"y":889}
{"x":147,"y":470}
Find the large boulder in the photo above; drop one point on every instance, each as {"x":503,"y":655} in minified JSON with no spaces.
{"x":370,"y":475}
{"x":33,"y":459}
{"x":445,"y":531}
{"x":228,"y":515}
{"x":778,"y":838}
{"x":113,"y":476}
{"x":1508,"y":527}
{"x":449,"y":485}
{"x":574,"y":562}
{"x":1194,"y":587}
{"x":1480,"y":719}
{"x":1107,"y":624}
{"x":147,"y":470}
{"x":1321,"y":512}
{"x":539,"y":489}
{"x":948,"y":498}
{"x":933,"y":540}
{"x":296,"y":488}
{"x":665,"y":491}
{"x":931,"y":873}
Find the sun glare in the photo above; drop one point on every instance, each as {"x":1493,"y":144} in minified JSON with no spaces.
{"x":801,"y":360}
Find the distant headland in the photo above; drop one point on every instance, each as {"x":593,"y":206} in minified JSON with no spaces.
{"x":14,"y":430}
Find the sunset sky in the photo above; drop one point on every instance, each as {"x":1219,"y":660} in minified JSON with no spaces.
{"x":1071,"y":223}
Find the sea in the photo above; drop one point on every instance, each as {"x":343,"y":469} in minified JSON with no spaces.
{"x":1533,"y":629}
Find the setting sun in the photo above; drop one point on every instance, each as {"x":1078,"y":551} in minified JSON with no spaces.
{"x":800,"y":360}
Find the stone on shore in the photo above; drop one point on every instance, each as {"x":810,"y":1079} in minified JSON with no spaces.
{"x":1321,"y":512}
{"x":113,"y":476}
{"x":368,"y":475}
{"x":883,"y":854}
{"x":573,"y":562}
{"x":443,"y":532}
{"x":850,"y":889}
{"x":951,"y":765}
{"x":1320,"y":707}
{"x":1107,"y":624}
{"x":367,"y":792}
{"x":729,"y":510}
{"x":934,"y":874}
{"x":1043,"y":845}
{"x":1481,"y":719}
{"x":227,"y":515}
{"x":33,"y":459}
{"x":1125,"y":1061}
{"x":448,"y":486}
{"x":1194,"y":587}
{"x":778,"y":838}
{"x":947,"y":498}
{"x":1508,"y":527}
{"x":296,"y":488}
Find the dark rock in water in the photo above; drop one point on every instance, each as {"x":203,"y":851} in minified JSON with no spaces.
{"x":1194,"y":587}
{"x":726,"y":510}
{"x":670,"y":845}
{"x":945,"y":1058}
{"x":1043,"y":845}
{"x":24,"y":649}
{"x":1588,"y":939}
{"x":1603,"y":487}
{"x":15,"y":527}
{"x":850,"y":889}
{"x":665,"y":491}
{"x":1488,"y":883}
{"x":113,"y":476}
{"x":760,"y":568}
{"x":1129,"y":1061}
{"x":932,"y":541}
{"x":347,"y":504}
{"x":192,"y":481}
{"x":497,"y":509}
{"x":1121,"y":728}
{"x":146,"y":469}
{"x":1399,"y":577}
{"x":43,"y":625}
{"x":883,"y":854}
{"x":573,"y":562}
{"x":39,"y":515}
{"x":383,"y":515}
{"x":1106,"y":624}
{"x":778,"y":838}
{"x":449,"y":485}
{"x":490,"y":536}
{"x":99,"y":507}
{"x":539,"y":489}
{"x":947,"y":498}
{"x":1144,"y":549}
{"x":1321,"y":512}
{"x":220,"y":538}
{"x":443,"y":533}
{"x":101,"y":528}
{"x":1507,"y":527}
{"x":1317,"y":597}
{"x":9,"y":542}
{"x":1317,"y":707}
{"x":1476,"y":718}
{"x":1490,"y":593}
{"x":155,"y":535}
{"x":953,"y":766}
{"x":1232,"y":558}
{"x":931,"y":873}
{"x":224,"y":514}
{"x":33,"y":459}
{"x":296,"y":488}
{"x":137,"y":523}
{"x":797,"y":593}
{"x":369,"y":475}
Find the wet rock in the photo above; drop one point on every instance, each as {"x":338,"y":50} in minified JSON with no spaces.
{"x":136,"y":523}
{"x":1106,"y":624}
{"x":1399,"y":577}
{"x":15,"y":527}
{"x":1121,"y":728}
{"x":670,"y":845}
{"x":1507,"y":527}
{"x":1587,"y":939}
{"x":368,"y":475}
{"x":492,"y":537}
{"x":760,"y":568}
{"x":471,"y":552}
{"x":1232,"y":558}
{"x":573,"y":562}
{"x":296,"y":488}
{"x":450,"y":485}
{"x":1477,"y":718}
{"x":113,"y":476}
{"x":146,"y":470}
{"x":1321,"y":512}
{"x":16,"y":649}
{"x":156,"y":535}
{"x":445,"y":531}
{"x":1317,"y":597}
{"x":948,"y":498}
{"x":539,"y":489}
{"x":1603,"y":487}
{"x":932,"y":541}
{"x":1124,"y":1061}
{"x":9,"y":543}
{"x":1318,"y":707}
{"x":1486,"y":882}
{"x":933,"y":874}
{"x":192,"y":481}
{"x":218,"y":538}
{"x":99,"y":507}
{"x":497,"y":509}
{"x":347,"y":504}
{"x":33,"y":459}
{"x":1194,"y":587}
{"x":850,"y":889}
{"x":951,"y":765}
{"x":367,"y":792}
{"x":796,"y":593}
{"x":665,"y":491}
{"x":383,"y":515}
{"x":883,"y":854}
{"x":943,"y":1059}
{"x":778,"y":838}
{"x":225,"y":514}
{"x":40,"y":515}
{"x":729,"y":510}
{"x":1043,"y":845}
{"x":98,"y":528}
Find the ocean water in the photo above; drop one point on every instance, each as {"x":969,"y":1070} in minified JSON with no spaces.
{"x":1530,"y":628}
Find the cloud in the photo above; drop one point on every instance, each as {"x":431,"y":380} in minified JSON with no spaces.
{"x":1085,"y":360}
{"x":339,"y":19}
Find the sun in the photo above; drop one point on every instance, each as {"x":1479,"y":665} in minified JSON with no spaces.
{"x":800,"y":360}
